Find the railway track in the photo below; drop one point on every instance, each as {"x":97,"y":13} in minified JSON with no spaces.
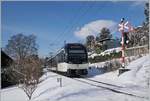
{"x":104,"y":85}
{"x":100,"y":82}
{"x":107,"y":86}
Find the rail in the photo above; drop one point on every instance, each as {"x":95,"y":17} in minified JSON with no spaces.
{"x":109,"y":88}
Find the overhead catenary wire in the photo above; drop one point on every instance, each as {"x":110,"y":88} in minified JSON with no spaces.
{"x":91,"y":7}
{"x":62,"y":33}
{"x":76,"y":21}
{"x":79,"y":18}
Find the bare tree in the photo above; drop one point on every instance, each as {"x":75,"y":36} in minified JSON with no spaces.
{"x":28,"y":76}
{"x":20,"y":46}
{"x":26,"y":69}
{"x":32,"y":73}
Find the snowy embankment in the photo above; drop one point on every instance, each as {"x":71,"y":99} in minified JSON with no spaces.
{"x":108,"y":51}
{"x":133,"y":81}
{"x":137,"y":80}
{"x":138,"y":74}
{"x":102,"y":64}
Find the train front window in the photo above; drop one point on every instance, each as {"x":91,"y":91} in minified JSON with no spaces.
{"x":77,"y":51}
{"x":77,"y":56}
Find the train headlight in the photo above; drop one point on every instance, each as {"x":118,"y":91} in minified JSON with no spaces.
{"x":83,"y":62}
{"x":70,"y":62}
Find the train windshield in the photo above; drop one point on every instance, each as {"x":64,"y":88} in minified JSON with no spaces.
{"x":77,"y":51}
{"x":77,"y":54}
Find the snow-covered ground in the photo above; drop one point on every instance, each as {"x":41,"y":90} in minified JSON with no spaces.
{"x":134,"y":81}
{"x":137,"y":80}
{"x":139,"y":71}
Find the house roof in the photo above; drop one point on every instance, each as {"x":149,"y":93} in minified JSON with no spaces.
{"x":5,"y":59}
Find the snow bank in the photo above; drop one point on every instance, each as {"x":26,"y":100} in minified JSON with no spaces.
{"x":139,"y":73}
{"x":133,"y":81}
{"x":108,"y":51}
{"x":13,"y":94}
{"x":112,"y":50}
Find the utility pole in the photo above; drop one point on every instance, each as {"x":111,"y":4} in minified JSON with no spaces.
{"x":51,"y":53}
{"x":64,"y":42}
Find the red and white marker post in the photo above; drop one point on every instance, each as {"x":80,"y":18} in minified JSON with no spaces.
{"x":123,"y":51}
{"x":121,"y":29}
{"x":122,"y":26}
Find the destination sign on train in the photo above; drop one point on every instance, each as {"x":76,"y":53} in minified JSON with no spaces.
{"x":74,"y":46}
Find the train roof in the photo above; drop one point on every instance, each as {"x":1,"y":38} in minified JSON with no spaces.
{"x":66,"y":46}
{"x":71,"y":44}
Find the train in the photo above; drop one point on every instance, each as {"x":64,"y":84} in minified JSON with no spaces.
{"x":71,"y":60}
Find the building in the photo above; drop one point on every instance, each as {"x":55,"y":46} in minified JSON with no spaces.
{"x":6,"y":62}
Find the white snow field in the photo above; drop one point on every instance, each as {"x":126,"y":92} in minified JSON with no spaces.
{"x":134,"y":82}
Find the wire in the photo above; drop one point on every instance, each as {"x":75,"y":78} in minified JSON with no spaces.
{"x":62,"y":33}
{"x":74,"y":22}
{"x":78,"y":20}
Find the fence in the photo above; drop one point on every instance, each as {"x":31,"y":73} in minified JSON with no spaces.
{"x":134,"y":51}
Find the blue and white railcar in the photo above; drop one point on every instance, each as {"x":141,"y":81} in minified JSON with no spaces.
{"x":72,"y":59}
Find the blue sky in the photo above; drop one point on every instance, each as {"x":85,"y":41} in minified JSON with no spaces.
{"x":54,"y":22}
